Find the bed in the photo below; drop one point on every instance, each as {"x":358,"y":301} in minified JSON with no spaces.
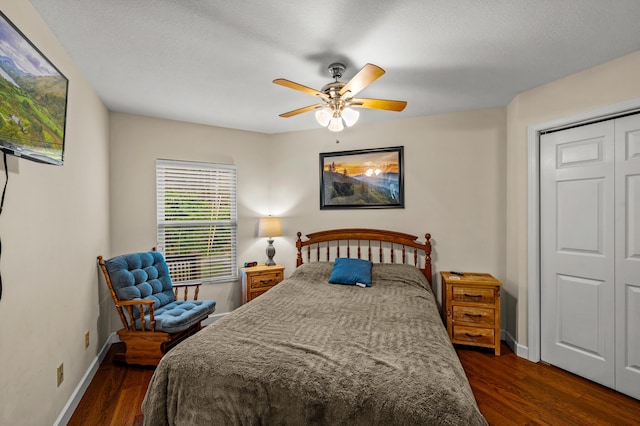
{"x":308,"y":352}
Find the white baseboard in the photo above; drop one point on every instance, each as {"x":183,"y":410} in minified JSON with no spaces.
{"x":520,"y":350}
{"x":79,"y":391}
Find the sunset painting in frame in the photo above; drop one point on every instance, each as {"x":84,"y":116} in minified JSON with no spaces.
{"x":368,"y":178}
{"x":33,"y":99}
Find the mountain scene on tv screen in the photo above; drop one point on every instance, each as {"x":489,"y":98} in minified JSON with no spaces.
{"x":32,"y":97}
{"x":341,"y":188}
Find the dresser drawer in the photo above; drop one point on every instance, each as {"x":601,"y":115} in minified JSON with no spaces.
{"x":474,"y":334}
{"x":473,"y":294}
{"x":265,"y":280}
{"x":473,"y":314}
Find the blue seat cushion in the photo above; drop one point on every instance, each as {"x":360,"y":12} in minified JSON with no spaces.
{"x":179,"y":315}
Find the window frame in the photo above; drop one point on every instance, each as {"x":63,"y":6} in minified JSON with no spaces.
{"x":187,"y":179}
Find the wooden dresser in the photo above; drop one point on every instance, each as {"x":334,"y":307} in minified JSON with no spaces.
{"x":258,"y":279}
{"x":471,"y":309}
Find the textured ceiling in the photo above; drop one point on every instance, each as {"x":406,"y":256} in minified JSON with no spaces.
{"x":212,"y":61}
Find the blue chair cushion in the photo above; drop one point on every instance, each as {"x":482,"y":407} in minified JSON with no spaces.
{"x":141,"y":276}
{"x":179,"y":315}
{"x":146,"y":276}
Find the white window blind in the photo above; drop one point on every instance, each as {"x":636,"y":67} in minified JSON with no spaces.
{"x":197,"y":220}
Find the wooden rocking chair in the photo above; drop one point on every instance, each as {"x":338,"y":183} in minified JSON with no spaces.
{"x":154,"y":319}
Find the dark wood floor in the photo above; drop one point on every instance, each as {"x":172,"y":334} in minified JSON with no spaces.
{"x":509,"y":390}
{"x":114,"y":395}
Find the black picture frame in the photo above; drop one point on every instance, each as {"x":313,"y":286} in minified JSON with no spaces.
{"x":362,"y":179}
{"x":33,"y":99}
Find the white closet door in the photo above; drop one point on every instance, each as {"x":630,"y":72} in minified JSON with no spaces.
{"x":577,"y":251}
{"x":628,"y":255}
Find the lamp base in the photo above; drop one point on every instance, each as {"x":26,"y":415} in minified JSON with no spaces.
{"x":271,"y":251}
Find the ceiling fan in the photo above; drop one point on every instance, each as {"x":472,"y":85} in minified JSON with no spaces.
{"x":337,"y":98}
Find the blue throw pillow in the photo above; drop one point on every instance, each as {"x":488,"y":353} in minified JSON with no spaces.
{"x":351,"y":271}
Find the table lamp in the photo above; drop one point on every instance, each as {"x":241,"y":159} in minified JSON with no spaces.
{"x":270,"y":227}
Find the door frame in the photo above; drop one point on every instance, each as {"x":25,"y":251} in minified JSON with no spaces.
{"x":533,"y":209}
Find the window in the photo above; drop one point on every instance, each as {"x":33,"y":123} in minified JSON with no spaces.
{"x":197,"y":220}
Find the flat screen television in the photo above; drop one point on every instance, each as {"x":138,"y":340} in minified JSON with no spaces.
{"x":33,"y":99}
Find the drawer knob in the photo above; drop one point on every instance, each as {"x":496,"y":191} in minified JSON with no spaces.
{"x":472,"y":315}
{"x":473,"y":335}
{"x":472,"y":295}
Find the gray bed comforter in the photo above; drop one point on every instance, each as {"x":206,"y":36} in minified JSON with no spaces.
{"x":312,"y":353}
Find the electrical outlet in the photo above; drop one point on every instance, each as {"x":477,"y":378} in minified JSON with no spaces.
{"x":60,"y":374}
{"x":86,"y":340}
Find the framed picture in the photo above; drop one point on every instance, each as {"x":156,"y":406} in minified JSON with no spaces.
{"x":362,"y":179}
{"x":33,"y":99}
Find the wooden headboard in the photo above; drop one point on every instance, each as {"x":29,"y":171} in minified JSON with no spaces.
{"x":376,"y":245}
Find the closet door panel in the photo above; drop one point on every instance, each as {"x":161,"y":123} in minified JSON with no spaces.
{"x":627,"y":241}
{"x":577,"y":251}
{"x":633,"y":329}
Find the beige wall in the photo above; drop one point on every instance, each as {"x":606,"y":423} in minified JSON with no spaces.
{"x":597,"y":87}
{"x":454,"y":173}
{"x":55,"y":221}
{"x":137,"y":141}
{"x":454,"y":169}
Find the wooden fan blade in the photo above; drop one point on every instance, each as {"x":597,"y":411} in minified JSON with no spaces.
{"x":367,"y":75}
{"x":301,"y":110}
{"x":300,"y":87}
{"x":378,"y":104}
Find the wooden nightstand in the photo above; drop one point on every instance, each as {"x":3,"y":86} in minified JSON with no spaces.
{"x":258,"y":279}
{"x":471,"y":309}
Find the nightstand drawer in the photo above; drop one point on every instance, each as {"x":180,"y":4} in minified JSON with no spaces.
{"x":258,"y":279}
{"x":473,"y":294}
{"x":253,"y":294}
{"x":473,"y":314}
{"x":265,"y":280}
{"x":474,"y":334}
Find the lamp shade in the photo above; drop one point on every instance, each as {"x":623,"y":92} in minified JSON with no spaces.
{"x":269,"y":227}
{"x":323,"y":115}
{"x":335,"y":124}
{"x":350,"y":116}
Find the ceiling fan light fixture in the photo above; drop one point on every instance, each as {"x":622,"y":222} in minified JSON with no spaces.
{"x":323,"y":116}
{"x":335,"y":124}
{"x":350,"y":116}
{"x":336,"y":98}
